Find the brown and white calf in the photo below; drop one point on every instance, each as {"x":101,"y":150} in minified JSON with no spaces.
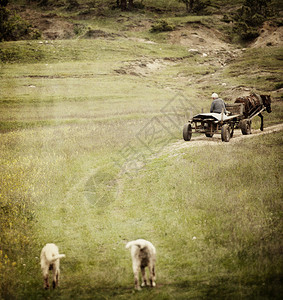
{"x":50,"y":260}
{"x":143,"y":255}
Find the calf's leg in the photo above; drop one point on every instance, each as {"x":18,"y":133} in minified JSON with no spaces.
{"x":144,"y":283}
{"x":45,"y":277}
{"x":136,"y":268}
{"x":56,"y":273}
{"x":152,"y":275}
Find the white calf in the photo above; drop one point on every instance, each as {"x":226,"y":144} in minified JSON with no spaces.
{"x":50,"y":260}
{"x":143,"y":255}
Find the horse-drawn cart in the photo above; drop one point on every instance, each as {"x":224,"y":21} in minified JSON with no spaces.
{"x":240,"y":116}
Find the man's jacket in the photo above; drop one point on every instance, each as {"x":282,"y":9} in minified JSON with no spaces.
{"x":217,"y":105}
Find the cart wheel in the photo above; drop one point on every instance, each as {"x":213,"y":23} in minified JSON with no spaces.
{"x":225,"y":133}
{"x":245,"y":126}
{"x":187,"y":132}
{"x":210,"y":135}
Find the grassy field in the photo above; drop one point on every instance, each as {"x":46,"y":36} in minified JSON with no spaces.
{"x":84,"y":125}
{"x":78,"y":198}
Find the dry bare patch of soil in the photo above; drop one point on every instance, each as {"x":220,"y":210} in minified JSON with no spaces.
{"x":144,"y":67}
{"x":51,"y":26}
{"x":270,"y":35}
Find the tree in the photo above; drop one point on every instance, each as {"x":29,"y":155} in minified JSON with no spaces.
{"x":131,"y":4}
{"x":123,"y":4}
{"x":189,"y":4}
{"x":13,"y":27}
{"x":3,"y":3}
{"x":250,"y":17}
{"x":258,"y":6}
{"x":195,"y":5}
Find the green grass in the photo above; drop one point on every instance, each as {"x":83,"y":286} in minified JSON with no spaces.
{"x":53,"y":92}
{"x":260,"y":68}
{"x":84,"y":50}
{"x":228,"y":206}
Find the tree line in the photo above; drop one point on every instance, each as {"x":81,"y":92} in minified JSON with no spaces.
{"x":246,"y":20}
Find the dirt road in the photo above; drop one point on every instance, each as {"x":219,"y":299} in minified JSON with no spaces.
{"x":216,"y":139}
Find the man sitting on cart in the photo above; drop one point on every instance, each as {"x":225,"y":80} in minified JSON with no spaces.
{"x":217,"y":105}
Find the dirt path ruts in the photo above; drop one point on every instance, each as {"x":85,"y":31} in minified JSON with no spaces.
{"x":199,"y":141}
{"x":170,"y":150}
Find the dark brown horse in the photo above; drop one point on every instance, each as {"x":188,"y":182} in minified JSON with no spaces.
{"x":255,"y":103}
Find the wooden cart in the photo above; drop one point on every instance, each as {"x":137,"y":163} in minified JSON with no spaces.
{"x":214,"y":123}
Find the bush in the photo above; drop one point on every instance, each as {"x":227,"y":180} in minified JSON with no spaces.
{"x":200,"y":6}
{"x":139,"y":5}
{"x":161,"y":26}
{"x":72,"y":4}
{"x":13,"y":27}
{"x":245,"y":31}
{"x":279,"y":85}
{"x":226,"y":19}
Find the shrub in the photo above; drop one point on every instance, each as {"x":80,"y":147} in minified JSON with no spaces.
{"x":72,"y":4}
{"x":279,"y":85}
{"x":195,"y":6}
{"x":139,"y":5}
{"x":13,"y":27}
{"x":161,"y":26}
{"x":200,"y":6}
